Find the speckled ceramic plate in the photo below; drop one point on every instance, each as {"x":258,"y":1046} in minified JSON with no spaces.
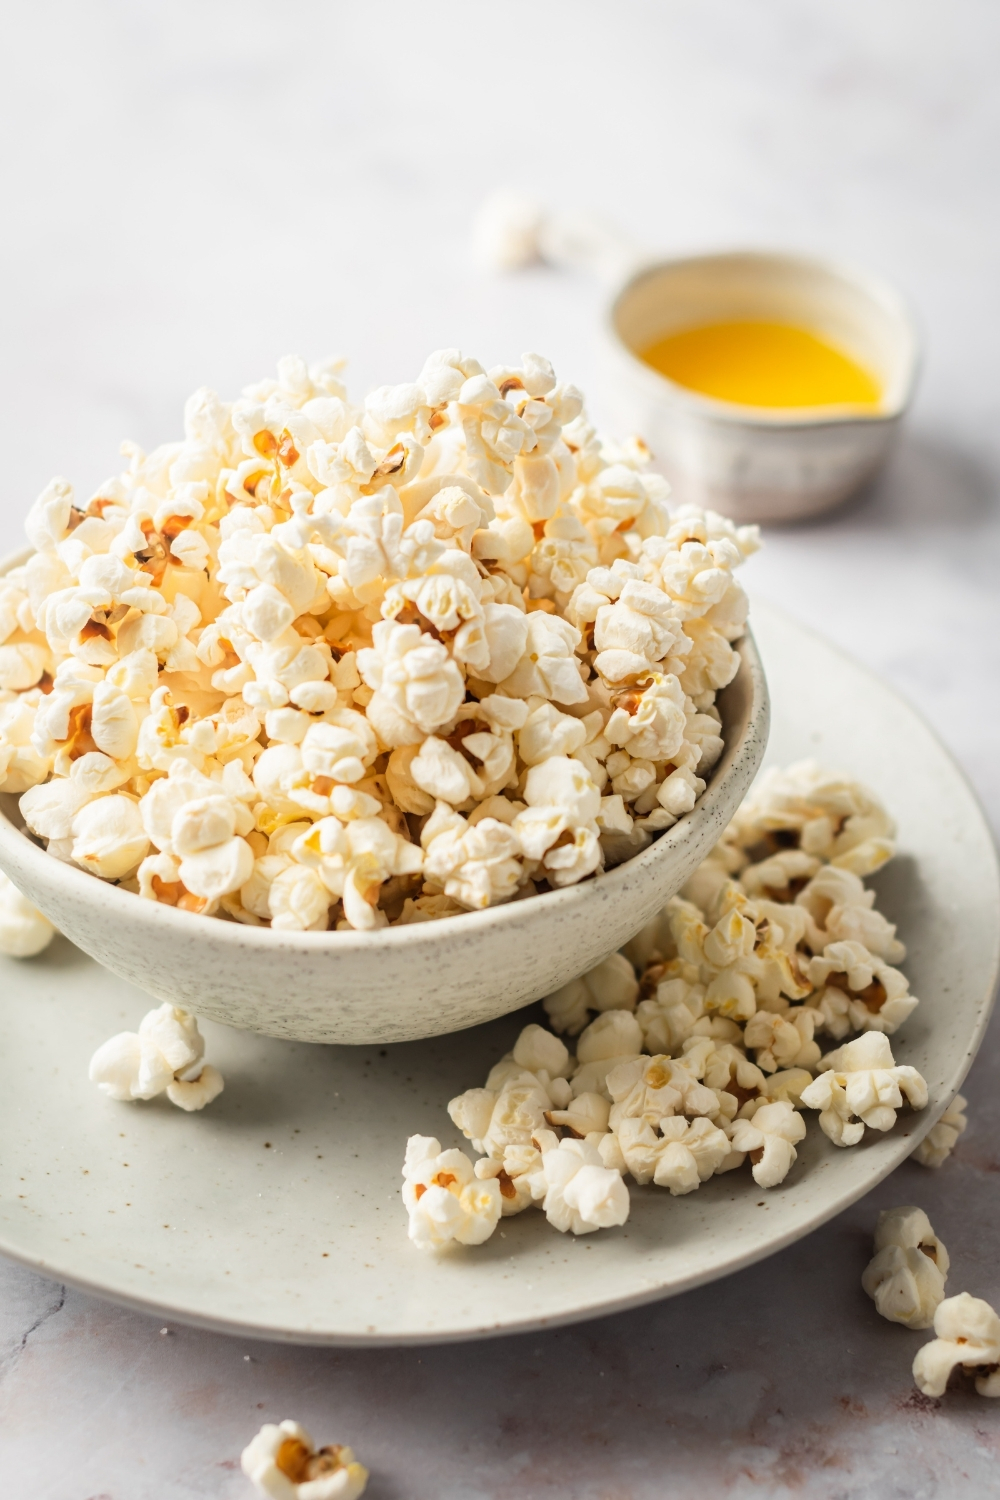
{"x":277,"y":1211}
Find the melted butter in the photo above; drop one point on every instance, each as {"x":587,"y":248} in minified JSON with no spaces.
{"x":763,"y":364}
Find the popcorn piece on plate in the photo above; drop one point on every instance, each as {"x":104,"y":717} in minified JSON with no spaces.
{"x":861,"y":1085}
{"x":825,"y":814}
{"x":939,"y":1142}
{"x":444,"y":1198}
{"x":164,"y":1056}
{"x":681,"y":1157}
{"x":769,"y":1140}
{"x":513,"y":1173}
{"x":282,"y":1463}
{"x":857,"y":991}
{"x":905,"y":1278}
{"x":23,"y":930}
{"x":610,"y":985}
{"x":577,"y":1191}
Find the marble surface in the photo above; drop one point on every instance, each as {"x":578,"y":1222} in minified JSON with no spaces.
{"x":193,"y":190}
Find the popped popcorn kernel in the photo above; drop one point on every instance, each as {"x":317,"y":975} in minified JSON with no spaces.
{"x":165,"y":1056}
{"x":23,"y":930}
{"x":860,"y":1085}
{"x":577,"y":1192}
{"x":939,"y":1142}
{"x":445,"y":1200}
{"x":282,"y":1462}
{"x":968,"y":1337}
{"x":905,"y":1278}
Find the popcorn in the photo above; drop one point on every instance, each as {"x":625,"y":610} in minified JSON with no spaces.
{"x":164,"y":1056}
{"x":444,"y":1198}
{"x":22,"y":765}
{"x":695,"y":1048}
{"x":855,"y":991}
{"x":199,"y":822}
{"x":906,"y":1277}
{"x":23,"y":930}
{"x":548,"y":667}
{"x":681,"y":1157}
{"x":505,"y":234}
{"x":822,"y":813}
{"x":636,"y":632}
{"x":840,"y":909}
{"x":558,"y":829}
{"x":353,"y":859}
{"x":513,"y":1174}
{"x":610,"y":985}
{"x":861,"y":1085}
{"x":769,"y":1140}
{"x":283,"y":1463}
{"x":108,"y":837}
{"x":512,"y":1117}
{"x":578,"y":1192}
{"x":784,"y":1040}
{"x":939,"y":1142}
{"x":653,"y":1089}
{"x":615,"y":1033}
{"x":968,"y":1335}
{"x":453,"y":601}
{"x":474,"y":864}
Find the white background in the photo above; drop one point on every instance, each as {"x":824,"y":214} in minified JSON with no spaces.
{"x":191,"y":190}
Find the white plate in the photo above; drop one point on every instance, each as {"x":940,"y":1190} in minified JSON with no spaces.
{"x":277,"y":1211}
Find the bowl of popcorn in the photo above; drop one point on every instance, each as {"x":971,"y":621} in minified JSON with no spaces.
{"x":366,"y":723}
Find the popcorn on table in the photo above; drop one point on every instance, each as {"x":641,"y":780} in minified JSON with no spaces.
{"x":906,"y":1276}
{"x":23,"y":930}
{"x":320,"y":664}
{"x":282,"y":1462}
{"x":695,"y":1050}
{"x":165,"y":1056}
{"x":968,"y":1337}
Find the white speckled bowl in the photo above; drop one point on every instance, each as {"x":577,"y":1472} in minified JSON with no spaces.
{"x":400,"y":983}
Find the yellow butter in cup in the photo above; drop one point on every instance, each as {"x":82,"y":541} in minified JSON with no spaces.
{"x":757,"y":363}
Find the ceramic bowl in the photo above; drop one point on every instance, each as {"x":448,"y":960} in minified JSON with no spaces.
{"x":756,"y":463}
{"x":400,"y":983}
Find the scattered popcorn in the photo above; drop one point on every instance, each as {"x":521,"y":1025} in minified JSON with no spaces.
{"x":695,"y":1049}
{"x":444,"y":1198}
{"x":610,"y":985}
{"x":164,"y":1056}
{"x":577,"y":1191}
{"x":450,"y":636}
{"x":906,"y":1277}
{"x":861,"y":1085}
{"x":769,"y":1139}
{"x":855,"y":991}
{"x":968,"y":1335}
{"x":825,"y":815}
{"x":939,"y":1142}
{"x":681,"y":1157}
{"x":505,"y":232}
{"x":282,"y":1463}
{"x":23,"y":930}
